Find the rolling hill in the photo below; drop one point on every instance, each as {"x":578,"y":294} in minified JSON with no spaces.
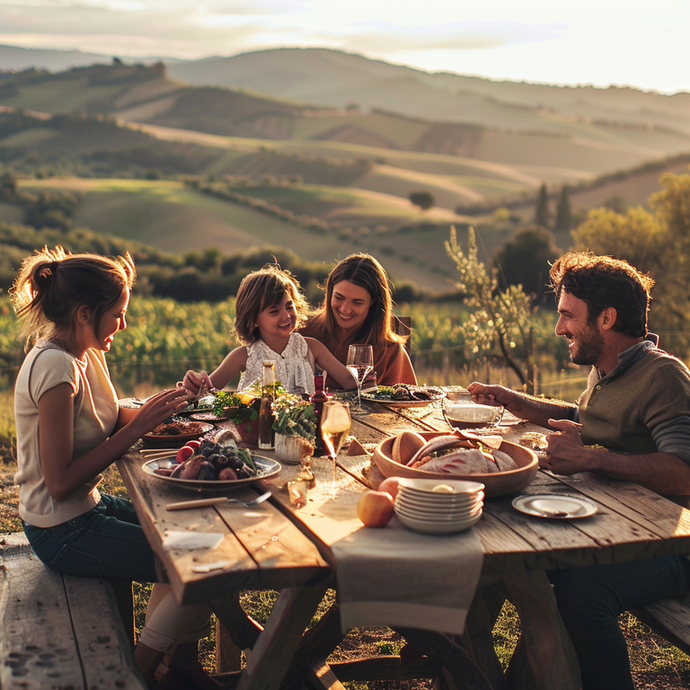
{"x":534,"y":140}
{"x":284,"y":160}
{"x":334,"y":78}
{"x":171,"y":217}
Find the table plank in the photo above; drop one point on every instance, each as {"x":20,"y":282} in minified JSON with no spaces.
{"x":632,"y":522}
{"x":260,"y":547}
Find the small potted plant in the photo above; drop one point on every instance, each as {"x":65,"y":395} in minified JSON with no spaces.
{"x":295,"y":427}
{"x":243,"y":409}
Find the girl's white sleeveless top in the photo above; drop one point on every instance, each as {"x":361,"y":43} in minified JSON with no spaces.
{"x":294,"y":367}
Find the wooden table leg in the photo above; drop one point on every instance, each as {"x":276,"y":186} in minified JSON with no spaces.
{"x":545,"y":658}
{"x":235,"y":631}
{"x":477,"y":638}
{"x":281,"y":637}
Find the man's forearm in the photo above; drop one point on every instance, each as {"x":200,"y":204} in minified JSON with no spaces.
{"x":660,"y":472}
{"x":539,"y":411}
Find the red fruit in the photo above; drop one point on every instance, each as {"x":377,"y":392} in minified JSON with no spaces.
{"x":184,"y":453}
{"x":227,"y":473}
{"x":193,"y":444}
{"x":390,"y":486}
{"x":375,"y":508}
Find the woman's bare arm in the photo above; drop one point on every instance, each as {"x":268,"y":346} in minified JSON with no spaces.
{"x":327,"y":361}
{"x":62,"y":474}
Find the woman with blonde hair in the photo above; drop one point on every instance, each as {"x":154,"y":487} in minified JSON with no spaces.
{"x":358,"y":309}
{"x":70,"y":428}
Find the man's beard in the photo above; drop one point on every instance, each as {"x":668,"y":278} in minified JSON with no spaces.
{"x":589,"y":346}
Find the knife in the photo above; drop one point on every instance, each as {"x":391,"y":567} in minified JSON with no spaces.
{"x":218,"y":500}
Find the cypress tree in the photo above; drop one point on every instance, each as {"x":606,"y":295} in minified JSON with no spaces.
{"x":564,"y":214}
{"x":541,"y":213}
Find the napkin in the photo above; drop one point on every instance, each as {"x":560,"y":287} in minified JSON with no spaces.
{"x":180,"y":539}
{"x":396,"y":577}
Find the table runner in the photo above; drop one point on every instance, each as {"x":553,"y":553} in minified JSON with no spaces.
{"x":396,"y":577}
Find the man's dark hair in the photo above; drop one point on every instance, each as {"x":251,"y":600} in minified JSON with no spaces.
{"x":601,"y":282}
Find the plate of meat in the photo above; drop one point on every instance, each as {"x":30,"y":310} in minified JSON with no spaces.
{"x":177,"y":432}
{"x":404,"y":395}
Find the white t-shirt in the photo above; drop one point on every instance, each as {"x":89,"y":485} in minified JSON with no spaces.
{"x":95,"y":415}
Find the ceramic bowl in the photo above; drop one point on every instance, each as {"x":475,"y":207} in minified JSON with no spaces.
{"x":496,"y":483}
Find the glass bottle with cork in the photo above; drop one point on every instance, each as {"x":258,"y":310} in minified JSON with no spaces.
{"x":266,"y":433}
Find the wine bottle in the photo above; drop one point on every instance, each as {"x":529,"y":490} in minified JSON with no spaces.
{"x":318,"y":398}
{"x":266,"y":433}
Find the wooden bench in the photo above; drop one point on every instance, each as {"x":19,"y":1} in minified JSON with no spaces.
{"x":59,"y":632}
{"x":670,"y":619}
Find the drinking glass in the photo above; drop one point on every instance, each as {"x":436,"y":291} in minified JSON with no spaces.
{"x":335,"y":426}
{"x":360,"y":362}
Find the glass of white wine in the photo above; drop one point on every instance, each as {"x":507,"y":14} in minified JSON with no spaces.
{"x":335,"y":426}
{"x":360,"y":362}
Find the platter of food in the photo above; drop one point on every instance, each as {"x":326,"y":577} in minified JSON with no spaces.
{"x":403,"y":395}
{"x":177,"y":432}
{"x":502,"y":467}
{"x":265,"y":467}
{"x":209,"y":417}
{"x":216,"y":463}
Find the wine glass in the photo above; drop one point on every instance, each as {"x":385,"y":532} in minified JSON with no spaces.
{"x":335,"y":426}
{"x":360,"y":361}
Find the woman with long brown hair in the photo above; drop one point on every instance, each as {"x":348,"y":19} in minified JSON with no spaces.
{"x":70,"y":428}
{"x":358,"y":308}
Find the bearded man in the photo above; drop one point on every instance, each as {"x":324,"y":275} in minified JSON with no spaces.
{"x":633,"y":423}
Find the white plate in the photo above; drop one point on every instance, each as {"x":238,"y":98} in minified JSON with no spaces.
{"x":437,"y":527}
{"x":426,"y":486}
{"x":557,"y":507}
{"x":441,"y":500}
{"x":437,"y":510}
{"x":436,"y":517}
{"x":266,"y":468}
{"x":179,"y":439}
{"x":440,"y":509}
{"x":371,"y":397}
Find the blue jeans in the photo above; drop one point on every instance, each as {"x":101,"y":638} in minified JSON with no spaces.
{"x":107,"y":541}
{"x":590,"y":599}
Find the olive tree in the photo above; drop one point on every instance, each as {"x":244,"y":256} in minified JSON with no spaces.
{"x":498,"y":318}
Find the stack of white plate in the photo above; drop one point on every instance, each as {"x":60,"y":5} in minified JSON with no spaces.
{"x":439,"y":506}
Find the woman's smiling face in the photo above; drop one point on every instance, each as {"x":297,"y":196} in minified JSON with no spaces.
{"x":350,"y":304}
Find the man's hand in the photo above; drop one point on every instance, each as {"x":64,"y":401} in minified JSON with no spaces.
{"x":491,"y":395}
{"x":521,"y":405}
{"x":566,"y":454}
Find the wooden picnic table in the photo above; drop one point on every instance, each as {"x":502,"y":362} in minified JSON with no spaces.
{"x":278,"y":546}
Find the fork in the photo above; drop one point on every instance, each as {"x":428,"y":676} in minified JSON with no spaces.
{"x":218,"y":500}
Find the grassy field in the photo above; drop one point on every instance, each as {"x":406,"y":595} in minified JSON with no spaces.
{"x":166,"y":215}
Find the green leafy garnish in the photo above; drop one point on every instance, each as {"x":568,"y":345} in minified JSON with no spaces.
{"x":294,"y":416}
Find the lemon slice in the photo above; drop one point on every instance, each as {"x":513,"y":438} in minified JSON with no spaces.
{"x":442,"y":489}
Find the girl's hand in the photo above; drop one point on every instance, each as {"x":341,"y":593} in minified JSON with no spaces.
{"x":197,"y":383}
{"x":159,"y":407}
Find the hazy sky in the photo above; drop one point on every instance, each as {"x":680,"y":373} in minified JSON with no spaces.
{"x":636,"y":42}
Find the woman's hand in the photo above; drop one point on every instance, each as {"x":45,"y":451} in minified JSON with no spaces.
{"x":159,"y":407}
{"x":197,"y":382}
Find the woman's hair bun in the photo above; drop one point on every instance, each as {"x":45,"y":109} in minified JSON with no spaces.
{"x":45,"y":273}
